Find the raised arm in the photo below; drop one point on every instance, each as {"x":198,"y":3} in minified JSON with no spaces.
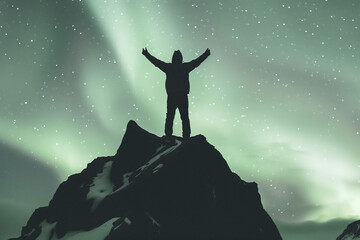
{"x":158,"y":63}
{"x":196,"y":62}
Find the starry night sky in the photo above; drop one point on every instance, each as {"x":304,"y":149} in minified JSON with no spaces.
{"x":278,"y":97}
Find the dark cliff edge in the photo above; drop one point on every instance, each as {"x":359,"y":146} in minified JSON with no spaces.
{"x":352,"y":231}
{"x":150,"y":190}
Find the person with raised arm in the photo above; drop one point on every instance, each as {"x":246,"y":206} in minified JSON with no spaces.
{"x":177,"y":88}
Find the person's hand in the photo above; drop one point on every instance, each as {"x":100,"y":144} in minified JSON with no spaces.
{"x":207,"y":51}
{"x":144,"y":51}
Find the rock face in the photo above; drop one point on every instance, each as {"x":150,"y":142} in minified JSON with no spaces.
{"x":149,"y":190}
{"x":352,"y":232}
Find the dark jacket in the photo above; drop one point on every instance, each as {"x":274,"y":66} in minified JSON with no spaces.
{"x":177,"y":74}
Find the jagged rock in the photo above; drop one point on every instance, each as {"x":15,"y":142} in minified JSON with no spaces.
{"x":352,"y":232}
{"x":150,"y":190}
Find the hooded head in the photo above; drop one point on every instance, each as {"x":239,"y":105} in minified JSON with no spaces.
{"x":177,"y":57}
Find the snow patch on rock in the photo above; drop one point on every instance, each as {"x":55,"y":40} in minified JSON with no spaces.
{"x":157,"y":168}
{"x":161,"y":151}
{"x":97,"y":233}
{"x":101,"y":186}
{"x":47,"y":230}
{"x":350,"y":237}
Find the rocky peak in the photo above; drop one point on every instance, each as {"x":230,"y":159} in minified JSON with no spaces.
{"x":152,"y":190}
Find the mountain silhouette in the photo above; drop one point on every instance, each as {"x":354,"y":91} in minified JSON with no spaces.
{"x":150,"y":190}
{"x":352,"y":231}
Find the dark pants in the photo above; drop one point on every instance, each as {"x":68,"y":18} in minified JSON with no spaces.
{"x":177,"y":100}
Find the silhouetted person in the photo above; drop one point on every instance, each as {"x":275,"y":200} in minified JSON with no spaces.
{"x":177,"y":87}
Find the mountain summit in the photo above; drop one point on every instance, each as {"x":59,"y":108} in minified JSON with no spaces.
{"x":150,"y":190}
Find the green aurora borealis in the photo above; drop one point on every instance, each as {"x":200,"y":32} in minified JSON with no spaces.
{"x":278,"y":97}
